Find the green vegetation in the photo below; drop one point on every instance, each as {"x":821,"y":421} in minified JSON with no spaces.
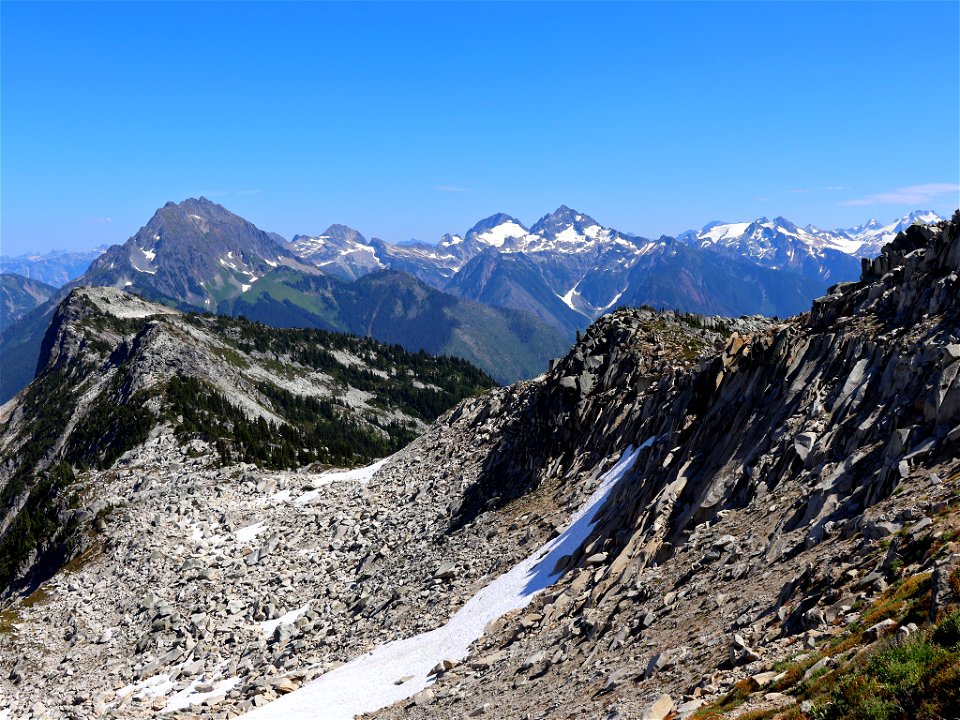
{"x":37,"y":525}
{"x":317,"y":431}
{"x":111,"y":428}
{"x":416,"y":383}
{"x":917,"y":679}
{"x":397,"y":308}
{"x":48,"y":404}
{"x":312,"y":429}
{"x":731,"y":701}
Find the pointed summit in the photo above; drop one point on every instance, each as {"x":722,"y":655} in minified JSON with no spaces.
{"x":563,"y":218}
{"x":195,"y":253}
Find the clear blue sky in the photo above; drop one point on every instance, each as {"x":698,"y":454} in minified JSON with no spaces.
{"x":410,"y":120}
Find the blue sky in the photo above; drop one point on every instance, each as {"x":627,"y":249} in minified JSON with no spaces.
{"x":410,"y":120}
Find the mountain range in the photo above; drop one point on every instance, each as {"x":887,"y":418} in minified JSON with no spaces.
{"x":502,"y":295}
{"x":198,"y":256}
{"x":568,"y":269}
{"x":56,"y":267}
{"x":19,"y":295}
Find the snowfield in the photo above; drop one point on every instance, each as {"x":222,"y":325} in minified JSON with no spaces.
{"x":368,"y":683}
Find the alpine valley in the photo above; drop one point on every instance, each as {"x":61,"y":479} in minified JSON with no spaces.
{"x":685,"y":515}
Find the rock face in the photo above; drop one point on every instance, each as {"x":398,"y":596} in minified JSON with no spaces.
{"x":786,"y":474}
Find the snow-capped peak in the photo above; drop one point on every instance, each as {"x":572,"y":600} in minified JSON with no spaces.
{"x":496,"y":230}
{"x":562,"y":219}
{"x":872,"y":236}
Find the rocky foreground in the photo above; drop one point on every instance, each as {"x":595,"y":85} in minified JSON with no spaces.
{"x":792,"y":503}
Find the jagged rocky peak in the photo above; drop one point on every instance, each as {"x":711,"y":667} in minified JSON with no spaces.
{"x":563,"y":218}
{"x":204,"y":214}
{"x":73,"y":325}
{"x":196,"y":254}
{"x":344,"y":234}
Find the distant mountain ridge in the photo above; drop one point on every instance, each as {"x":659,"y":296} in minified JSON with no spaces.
{"x":782,"y":245}
{"x":197,"y":255}
{"x":559,"y":274}
{"x":56,"y":267}
{"x":19,"y":295}
{"x":568,"y":269}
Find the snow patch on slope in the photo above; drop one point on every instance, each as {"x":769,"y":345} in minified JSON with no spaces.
{"x":368,"y":683}
{"x":361,"y":475}
{"x":498,"y":236}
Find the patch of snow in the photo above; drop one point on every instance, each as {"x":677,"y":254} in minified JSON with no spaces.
{"x":248,"y":533}
{"x":155,"y":686}
{"x":568,"y":298}
{"x":150,"y":255}
{"x":569,"y":236}
{"x":498,"y":235}
{"x":280,"y":496}
{"x":189,"y":696}
{"x":289,"y":618}
{"x":128,"y":283}
{"x":368,"y":683}
{"x":594,"y":232}
{"x":729,"y":231}
{"x":245,"y":287}
{"x":361,"y":475}
{"x":271,"y":263}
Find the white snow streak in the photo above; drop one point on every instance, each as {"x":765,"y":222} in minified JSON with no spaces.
{"x":246,"y":534}
{"x":568,"y":298}
{"x":367,"y":683}
{"x":361,"y":475}
{"x":155,"y":686}
{"x":269,"y":626}
{"x":189,"y":696}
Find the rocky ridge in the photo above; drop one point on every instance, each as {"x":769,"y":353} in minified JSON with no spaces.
{"x":116,"y":369}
